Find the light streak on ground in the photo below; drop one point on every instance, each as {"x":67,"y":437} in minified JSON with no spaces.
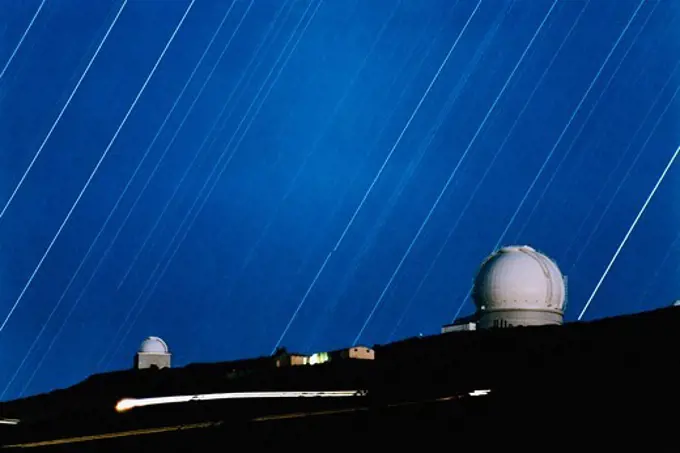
{"x":215,"y":424}
{"x":131,"y":403}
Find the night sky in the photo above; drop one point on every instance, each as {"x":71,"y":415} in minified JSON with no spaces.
{"x":233,"y":176}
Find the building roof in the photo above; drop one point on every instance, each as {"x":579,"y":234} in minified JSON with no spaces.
{"x":465,"y":320}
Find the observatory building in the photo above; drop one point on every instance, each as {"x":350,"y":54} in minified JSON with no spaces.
{"x":516,"y":286}
{"x":153,"y":352}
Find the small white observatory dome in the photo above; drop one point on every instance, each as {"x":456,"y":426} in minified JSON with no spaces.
{"x":154,"y":345}
{"x":519,"y":286}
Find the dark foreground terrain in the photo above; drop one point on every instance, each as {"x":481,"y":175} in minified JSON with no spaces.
{"x":579,"y":386}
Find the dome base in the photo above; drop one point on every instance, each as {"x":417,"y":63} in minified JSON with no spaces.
{"x":144,"y":360}
{"x":515,"y":318}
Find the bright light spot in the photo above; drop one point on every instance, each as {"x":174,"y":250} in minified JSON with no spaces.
{"x":8,"y":421}
{"x":125,"y":404}
{"x":318,"y":358}
{"x":480,"y":392}
{"x":129,"y":403}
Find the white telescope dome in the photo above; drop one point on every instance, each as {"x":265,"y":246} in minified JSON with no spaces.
{"x":154,"y":345}
{"x":519,"y":278}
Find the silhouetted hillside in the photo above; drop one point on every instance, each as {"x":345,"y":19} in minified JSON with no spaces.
{"x":616,"y":373}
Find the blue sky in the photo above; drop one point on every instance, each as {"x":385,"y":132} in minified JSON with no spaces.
{"x":316,"y":149}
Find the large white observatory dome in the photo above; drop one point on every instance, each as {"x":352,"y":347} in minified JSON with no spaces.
{"x":519,"y":286}
{"x":154,"y":345}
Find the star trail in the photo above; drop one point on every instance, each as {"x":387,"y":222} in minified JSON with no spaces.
{"x":236,"y":176}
